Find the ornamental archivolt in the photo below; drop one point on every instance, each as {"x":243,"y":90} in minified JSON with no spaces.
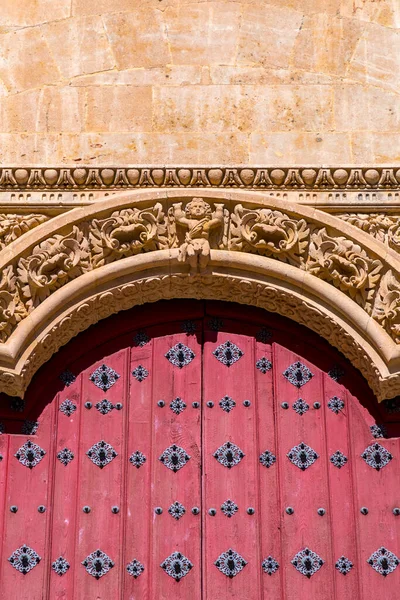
{"x":65,"y":252}
{"x":12,"y":226}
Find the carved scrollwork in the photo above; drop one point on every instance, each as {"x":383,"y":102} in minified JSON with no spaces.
{"x":383,"y":227}
{"x":387,"y":306}
{"x":12,"y":309}
{"x":51,"y":264}
{"x":344,"y":264}
{"x":270,"y":233}
{"x":127,"y":232}
{"x":12,"y":226}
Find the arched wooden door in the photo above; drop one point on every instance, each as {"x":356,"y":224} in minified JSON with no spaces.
{"x":198,"y":451}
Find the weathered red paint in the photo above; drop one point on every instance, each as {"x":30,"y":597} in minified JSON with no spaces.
{"x":136,"y":531}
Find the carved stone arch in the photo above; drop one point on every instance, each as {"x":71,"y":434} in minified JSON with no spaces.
{"x":253,"y":248}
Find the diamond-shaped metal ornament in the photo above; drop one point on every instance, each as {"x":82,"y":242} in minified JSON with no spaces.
{"x":67,"y":377}
{"x":336,"y":372}
{"x":177,"y":406}
{"x":229,"y":508}
{"x":141,"y":339}
{"x":270,"y":565}
{"x":104,"y":406}
{"x":29,"y":427}
{"x":215,"y":324}
{"x":307,"y":562}
{"x":376,"y":456}
{"x":229,"y":455}
{"x":228,"y":353}
{"x":343,"y":565}
{"x":302,"y":456}
{"x":383,"y":561}
{"x":24,"y":559}
{"x":104,"y":377}
{"x":137,"y":459}
{"x":227,"y":404}
{"x":97,"y":564}
{"x":264,"y":365}
{"x":300,"y":406}
{"x":176,"y":565}
{"x":189,"y":327}
{"x":180,"y":355}
{"x":174,"y":458}
{"x":30,"y":454}
{"x":101,"y":454}
{"x":336,"y":404}
{"x":135,"y":568}
{"x":338,"y":459}
{"x":67,"y":407}
{"x":140,"y":373}
{"x":263,"y":335}
{"x":378,"y":431}
{"x":177,"y":510}
{"x":65,"y":456}
{"x":267,"y":459}
{"x":230,"y":563}
{"x":60,"y":566}
{"x":298,"y":374}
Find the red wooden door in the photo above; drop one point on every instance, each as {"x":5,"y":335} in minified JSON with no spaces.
{"x":209,"y":454}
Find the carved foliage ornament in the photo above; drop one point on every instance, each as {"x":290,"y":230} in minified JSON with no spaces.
{"x":269,"y":232}
{"x":127,"y":232}
{"x":345,"y":264}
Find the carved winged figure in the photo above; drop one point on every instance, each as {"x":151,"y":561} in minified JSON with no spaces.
{"x":127,"y":232}
{"x":269,"y":232}
{"x":199,"y":222}
{"x":345,"y":264}
{"x":51,"y":264}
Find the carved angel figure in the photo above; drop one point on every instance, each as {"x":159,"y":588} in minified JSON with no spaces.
{"x":51,"y":264}
{"x":127,"y":232}
{"x":13,"y":226}
{"x":12,"y":309}
{"x":387,"y":306}
{"x":345,"y":264}
{"x":199,"y":221}
{"x":269,"y":232}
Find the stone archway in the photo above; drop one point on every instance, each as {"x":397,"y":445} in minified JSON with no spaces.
{"x":129,"y":249}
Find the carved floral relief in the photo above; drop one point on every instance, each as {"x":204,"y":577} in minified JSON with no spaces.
{"x":12,"y":226}
{"x":383,"y":227}
{"x":127,"y":232}
{"x":12,"y":310}
{"x":51,"y":264}
{"x":387,"y":306}
{"x":270,"y":233}
{"x":344,"y":264}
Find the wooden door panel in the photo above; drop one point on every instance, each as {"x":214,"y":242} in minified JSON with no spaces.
{"x":262,"y":417}
{"x":236,"y":425}
{"x":304,"y":491}
{"x":176,"y":385}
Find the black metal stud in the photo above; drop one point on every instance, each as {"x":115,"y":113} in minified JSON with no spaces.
{"x":88,"y":405}
{"x":246,"y":403}
{"x":195,"y":510}
{"x":210,"y":404}
{"x":115,"y":510}
{"x":41,"y":508}
{"x":250,"y":510}
{"x":161,"y":403}
{"x":321,"y":512}
{"x":158,"y":510}
{"x":86,"y":510}
{"x":13,"y":508}
{"x":212,"y":512}
{"x":289,"y":510}
{"x":285,"y":405}
{"x":196,"y":404}
{"x":364,"y":510}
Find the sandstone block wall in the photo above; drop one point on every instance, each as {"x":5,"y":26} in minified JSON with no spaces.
{"x":283,"y":82}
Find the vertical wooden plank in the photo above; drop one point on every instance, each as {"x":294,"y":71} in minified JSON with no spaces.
{"x":138,"y":505}
{"x":378,"y":491}
{"x":270,"y":514}
{"x":341,"y":494}
{"x":239,"y":483}
{"x":68,"y":412}
{"x":305,"y":491}
{"x":27,"y":489}
{"x":182,"y":430}
{"x":101,"y":488}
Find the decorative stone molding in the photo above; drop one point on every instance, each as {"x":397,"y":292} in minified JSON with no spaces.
{"x":283,"y":178}
{"x":250,"y":247}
